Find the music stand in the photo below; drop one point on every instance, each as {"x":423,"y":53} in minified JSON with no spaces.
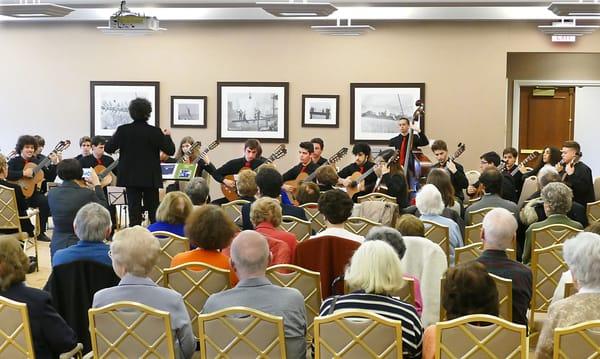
{"x":117,"y":197}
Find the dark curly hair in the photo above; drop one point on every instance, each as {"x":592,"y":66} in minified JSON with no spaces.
{"x":208,"y":227}
{"x":336,"y":206}
{"x":24,"y":141}
{"x":140,"y":109}
{"x":469,"y":289}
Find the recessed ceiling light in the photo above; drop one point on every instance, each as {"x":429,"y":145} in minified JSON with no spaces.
{"x":34,"y":9}
{"x":342,"y":30}
{"x":297,"y":9}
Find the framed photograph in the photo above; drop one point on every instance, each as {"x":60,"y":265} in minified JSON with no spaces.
{"x":376,"y":108}
{"x":109,"y":104}
{"x":252,"y":110}
{"x":188,"y":111}
{"x":320,"y":110}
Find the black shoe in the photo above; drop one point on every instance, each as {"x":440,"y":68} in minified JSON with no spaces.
{"x":32,"y":264}
{"x":43,"y":238}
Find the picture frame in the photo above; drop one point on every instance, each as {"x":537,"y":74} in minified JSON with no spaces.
{"x":252,"y":110}
{"x":320,"y":111}
{"x":376,"y":107}
{"x":188,"y":111}
{"x":109,"y":104}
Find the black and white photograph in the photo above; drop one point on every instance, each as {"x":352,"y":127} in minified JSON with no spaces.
{"x":376,"y":108}
{"x":188,"y":111}
{"x":109,"y":104}
{"x":320,"y":110}
{"x":252,"y":110}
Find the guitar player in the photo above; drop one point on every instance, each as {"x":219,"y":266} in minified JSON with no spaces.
{"x":362,"y":163}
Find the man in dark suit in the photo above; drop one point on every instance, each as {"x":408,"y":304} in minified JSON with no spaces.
{"x":139,"y":161}
{"x":269,"y":182}
{"x":66,"y":199}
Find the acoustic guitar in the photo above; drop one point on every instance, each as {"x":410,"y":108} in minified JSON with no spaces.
{"x":527,"y":159}
{"x":231,"y":193}
{"x":29,"y":184}
{"x":188,"y":153}
{"x":210,"y":147}
{"x":105,"y":174}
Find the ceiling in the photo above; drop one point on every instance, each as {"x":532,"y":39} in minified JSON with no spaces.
{"x":373,"y":10}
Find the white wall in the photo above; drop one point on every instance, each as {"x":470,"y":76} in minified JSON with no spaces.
{"x":587,"y":125}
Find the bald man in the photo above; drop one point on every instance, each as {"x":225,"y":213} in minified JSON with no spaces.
{"x":249,"y":259}
{"x":498,"y":234}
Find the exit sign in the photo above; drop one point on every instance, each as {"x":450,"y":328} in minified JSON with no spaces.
{"x":564,"y":38}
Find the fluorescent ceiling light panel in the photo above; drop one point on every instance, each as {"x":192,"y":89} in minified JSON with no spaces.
{"x":297,"y":9}
{"x":342,"y":30}
{"x":567,"y":28}
{"x":575,"y":8}
{"x":34,"y":10}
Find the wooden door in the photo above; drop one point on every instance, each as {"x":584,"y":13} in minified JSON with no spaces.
{"x":546,"y":118}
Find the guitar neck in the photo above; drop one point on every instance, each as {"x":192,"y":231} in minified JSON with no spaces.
{"x":108,"y":170}
{"x":314,"y":174}
{"x":366,"y":174}
{"x":523,"y":163}
{"x":40,"y":166}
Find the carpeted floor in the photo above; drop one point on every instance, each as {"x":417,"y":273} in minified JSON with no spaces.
{"x":38,"y":279}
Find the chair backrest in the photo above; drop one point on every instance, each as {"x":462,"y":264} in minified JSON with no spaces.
{"x":473,"y":233}
{"x":465,"y":337}
{"x":359,"y":225}
{"x":593,"y":212}
{"x":382,"y":212}
{"x":170,"y":245}
{"x":300,"y":228}
{"x":239,"y":332}
{"x":472,"y":176}
{"x":569,"y":289}
{"x":196,"y":281}
{"x":578,"y":341}
{"x":315,"y":217}
{"x":353,"y":334}
{"x":439,"y":234}
{"x":547,"y":266}
{"x":307,"y":282}
{"x":597,"y":188}
{"x":15,"y":332}
{"x":407,"y":293}
{"x":530,"y":186}
{"x":476,"y":217}
{"x":552,"y":234}
{"x":467,"y":253}
{"x":9,"y":213}
{"x":376,"y":196}
{"x":131,"y":330}
{"x":505,"y":299}
{"x":233,"y":210}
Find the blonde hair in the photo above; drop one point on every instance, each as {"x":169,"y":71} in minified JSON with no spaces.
{"x":246,"y":183}
{"x":170,"y":211}
{"x":265,"y":209}
{"x":136,"y":250}
{"x":13,"y":261}
{"x":410,"y":225}
{"x":3,"y":164}
{"x":375,"y":268}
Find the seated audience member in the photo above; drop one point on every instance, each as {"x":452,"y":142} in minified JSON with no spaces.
{"x":336,"y":206}
{"x":246,"y":185}
{"x":210,"y":230}
{"x":172,"y":213}
{"x":249,"y":259}
{"x":442,"y":181}
{"x":582,"y":255}
{"x":491,"y":179}
{"x":468,"y":289}
{"x":327,"y":178}
{"x":26,"y":225}
{"x":66,"y":199}
{"x":373,"y":278}
{"x":506,"y":188}
{"x":51,"y":334}
{"x":498,"y":234}
{"x":308,"y":192}
{"x":558,"y":199}
{"x":265,"y":214}
{"x":134,"y":252}
{"x":430,"y":204}
{"x":392,"y":178}
{"x":269,"y":182}
{"x":198,"y":191}
{"x":409,"y":225}
{"x":394,"y":239}
{"x":93,"y":226}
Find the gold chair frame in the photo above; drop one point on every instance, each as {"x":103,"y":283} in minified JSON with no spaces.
{"x":438,"y":234}
{"x":488,"y":334}
{"x":556,"y":234}
{"x":315,"y":217}
{"x":474,"y":251}
{"x":376,"y":196}
{"x":241,"y":335}
{"x":476,"y":217}
{"x":505,"y":297}
{"x":473,"y":233}
{"x":360,"y":225}
{"x":22,"y":331}
{"x":129,"y":330}
{"x":300,"y":228}
{"x":233,"y":210}
{"x":581,"y":332}
{"x":593,"y":212}
{"x":168,"y":241}
{"x":341,"y":318}
{"x":195,"y":274}
{"x":569,"y":289}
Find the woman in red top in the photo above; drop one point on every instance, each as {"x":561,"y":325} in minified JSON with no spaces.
{"x":265,"y":215}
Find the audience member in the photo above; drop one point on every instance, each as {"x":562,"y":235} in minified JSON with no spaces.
{"x":582,"y":255}
{"x":498,"y":234}
{"x":134,"y":252}
{"x":249,"y":259}
{"x":246,"y":185}
{"x":491,"y":179}
{"x":373,"y":278}
{"x":308,"y":192}
{"x":198,"y":191}
{"x":442,"y":181}
{"x":468,"y":289}
{"x":265,"y":214}
{"x":172,"y":213}
{"x":336,"y":206}
{"x":51,"y":334}
{"x":327,"y":178}
{"x":92,"y":225}
{"x":410,"y":225}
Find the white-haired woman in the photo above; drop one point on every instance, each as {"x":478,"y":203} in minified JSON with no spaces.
{"x":374,"y":277}
{"x":134,"y":252}
{"x":430,"y":205}
{"x":582,"y":254}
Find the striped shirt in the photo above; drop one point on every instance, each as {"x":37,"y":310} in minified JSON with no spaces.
{"x":389,"y":307}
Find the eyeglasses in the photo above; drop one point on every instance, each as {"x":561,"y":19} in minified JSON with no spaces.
{"x":110,"y":253}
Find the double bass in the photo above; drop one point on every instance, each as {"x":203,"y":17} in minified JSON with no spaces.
{"x":417,"y":171}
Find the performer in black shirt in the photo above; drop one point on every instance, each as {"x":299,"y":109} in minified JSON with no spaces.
{"x":576,"y":174}
{"x":454,"y":169}
{"x":401,"y":141}
{"x":306,"y":164}
{"x":318,"y":146}
{"x":362,"y":163}
{"x":85,"y":143}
